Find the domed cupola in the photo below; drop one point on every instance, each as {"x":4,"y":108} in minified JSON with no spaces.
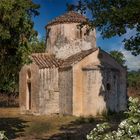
{"x":65,"y":37}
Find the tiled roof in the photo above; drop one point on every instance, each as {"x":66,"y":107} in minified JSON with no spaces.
{"x":76,"y":58}
{"x":69,"y":17}
{"x":45,"y":60}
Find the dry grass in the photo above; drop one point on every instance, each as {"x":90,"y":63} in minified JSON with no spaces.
{"x":53,"y":127}
{"x":28,"y":126}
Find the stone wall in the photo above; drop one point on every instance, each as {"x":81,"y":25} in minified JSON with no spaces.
{"x":93,"y":103}
{"x":22,"y":88}
{"x":66,"y":39}
{"x":101,"y":91}
{"x":66,"y":90}
{"x":122,"y":78}
{"x":34,"y":89}
{"x":118,"y":98}
{"x":25,"y":100}
{"x":48,"y":92}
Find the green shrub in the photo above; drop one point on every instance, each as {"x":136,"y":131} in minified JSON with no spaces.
{"x":3,"y":136}
{"x":128,"y":129}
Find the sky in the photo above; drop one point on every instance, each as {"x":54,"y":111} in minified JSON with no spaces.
{"x":49,"y":9}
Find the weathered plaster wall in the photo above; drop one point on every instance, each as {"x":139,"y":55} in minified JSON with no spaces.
{"x":48,"y":92}
{"x":122,"y":79}
{"x":66,"y":39}
{"x":78,"y":82}
{"x":92,"y":102}
{"x":97,"y":98}
{"x":66,"y":90}
{"x":34,"y":88}
{"x":23,"y":89}
{"x":80,"y":105}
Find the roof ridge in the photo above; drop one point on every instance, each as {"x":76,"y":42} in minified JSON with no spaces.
{"x":77,"y":57}
{"x":68,"y":17}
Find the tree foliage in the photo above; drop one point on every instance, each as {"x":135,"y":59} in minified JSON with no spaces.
{"x":16,"y":31}
{"x":115,"y":17}
{"x":118,"y":56}
{"x":37,"y":45}
{"x":134,"y":80}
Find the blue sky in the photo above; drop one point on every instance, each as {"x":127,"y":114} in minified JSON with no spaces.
{"x":52,"y":8}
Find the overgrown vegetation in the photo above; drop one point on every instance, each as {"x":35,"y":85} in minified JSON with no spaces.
{"x":18,"y":40}
{"x":133,"y":79}
{"x":128,"y":129}
{"x":3,"y":136}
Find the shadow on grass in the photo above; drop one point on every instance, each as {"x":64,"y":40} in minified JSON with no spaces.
{"x":13,"y":127}
{"x":76,"y":130}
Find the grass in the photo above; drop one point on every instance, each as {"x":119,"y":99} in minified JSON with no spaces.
{"x":17,"y":125}
{"x":52,"y":127}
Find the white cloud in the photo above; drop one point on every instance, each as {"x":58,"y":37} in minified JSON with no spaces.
{"x":133,"y":62}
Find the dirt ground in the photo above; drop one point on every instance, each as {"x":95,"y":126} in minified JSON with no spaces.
{"x":53,"y":127}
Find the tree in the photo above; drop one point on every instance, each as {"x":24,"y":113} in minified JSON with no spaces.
{"x":38,"y":45}
{"x":118,"y":56}
{"x":133,"y":79}
{"x":16,"y":31}
{"x":115,"y":17}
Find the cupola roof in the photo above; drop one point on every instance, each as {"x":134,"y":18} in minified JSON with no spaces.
{"x":69,"y":17}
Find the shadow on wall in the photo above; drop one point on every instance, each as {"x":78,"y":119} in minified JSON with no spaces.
{"x":110,"y":86}
{"x":13,"y":127}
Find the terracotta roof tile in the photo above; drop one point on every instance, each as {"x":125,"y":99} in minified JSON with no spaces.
{"x":45,"y":60}
{"x":76,"y":58}
{"x":69,"y":17}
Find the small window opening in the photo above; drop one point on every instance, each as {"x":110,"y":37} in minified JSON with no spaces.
{"x":108,"y":86}
{"x":48,"y":32}
{"x":80,"y":33}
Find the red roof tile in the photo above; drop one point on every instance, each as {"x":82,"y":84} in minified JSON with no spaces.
{"x":45,"y":60}
{"x":76,"y":58}
{"x":69,"y":17}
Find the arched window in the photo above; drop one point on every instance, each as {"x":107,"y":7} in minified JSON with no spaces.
{"x":79,"y":33}
{"x":29,"y":74}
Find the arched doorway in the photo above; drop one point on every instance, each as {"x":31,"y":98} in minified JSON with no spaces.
{"x":28,"y":90}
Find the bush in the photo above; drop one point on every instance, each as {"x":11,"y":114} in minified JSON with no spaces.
{"x":2,"y":135}
{"x":128,"y":129}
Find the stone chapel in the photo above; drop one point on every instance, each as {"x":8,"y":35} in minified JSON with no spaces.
{"x":72,"y":76}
